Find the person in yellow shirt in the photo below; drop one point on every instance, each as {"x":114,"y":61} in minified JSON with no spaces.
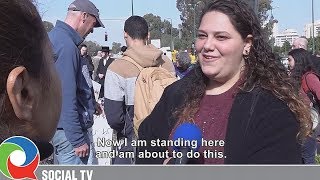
{"x":193,"y":58}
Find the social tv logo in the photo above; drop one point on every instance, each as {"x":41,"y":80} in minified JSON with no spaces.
{"x":19,"y":158}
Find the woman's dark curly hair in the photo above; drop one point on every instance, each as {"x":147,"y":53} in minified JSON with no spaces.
{"x":261,"y":67}
{"x":303,"y":62}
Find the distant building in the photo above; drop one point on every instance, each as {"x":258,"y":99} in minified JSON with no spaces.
{"x":156,"y":43}
{"x":308,"y":29}
{"x":275,"y":29}
{"x":288,"y":35}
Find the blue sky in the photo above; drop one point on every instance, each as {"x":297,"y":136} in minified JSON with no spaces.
{"x":115,"y":12}
{"x":295,"y":13}
{"x":290,"y":14}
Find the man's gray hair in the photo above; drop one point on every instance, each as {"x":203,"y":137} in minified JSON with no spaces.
{"x":184,"y":60}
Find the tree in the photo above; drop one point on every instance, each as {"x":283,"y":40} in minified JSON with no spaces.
{"x":47,"y":25}
{"x":277,"y":50}
{"x":316,"y":42}
{"x":116,"y":48}
{"x":286,"y":47}
{"x":155,"y":25}
{"x":161,"y":29}
{"x":265,"y":20}
{"x":93,"y":47}
{"x":193,"y":8}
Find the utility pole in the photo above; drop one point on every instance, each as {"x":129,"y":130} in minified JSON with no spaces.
{"x":194,"y":21}
{"x":131,"y":7}
{"x":172,"y":44}
{"x":313,"y":40}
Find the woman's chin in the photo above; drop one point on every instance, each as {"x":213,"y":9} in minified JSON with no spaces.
{"x":209,"y":72}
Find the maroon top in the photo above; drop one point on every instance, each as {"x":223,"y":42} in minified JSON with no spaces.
{"x":212,"y":118}
{"x":311,"y":81}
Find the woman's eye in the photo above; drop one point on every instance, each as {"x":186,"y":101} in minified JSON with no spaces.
{"x":221,"y":37}
{"x":201,"y":35}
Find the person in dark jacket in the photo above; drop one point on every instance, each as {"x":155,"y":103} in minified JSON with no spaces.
{"x":104,"y":63}
{"x":236,"y":94}
{"x":87,"y":58}
{"x":123,"y":49}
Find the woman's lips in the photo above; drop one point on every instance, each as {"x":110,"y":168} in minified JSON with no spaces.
{"x":210,"y":58}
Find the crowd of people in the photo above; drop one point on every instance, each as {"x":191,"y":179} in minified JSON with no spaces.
{"x":236,"y":92}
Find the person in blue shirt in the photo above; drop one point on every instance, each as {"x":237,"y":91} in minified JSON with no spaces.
{"x":71,"y":141}
{"x":183,"y":64}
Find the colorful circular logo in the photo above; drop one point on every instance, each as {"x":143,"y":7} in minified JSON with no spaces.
{"x":19,"y":158}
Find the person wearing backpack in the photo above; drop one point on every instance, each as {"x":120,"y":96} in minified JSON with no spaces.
{"x":305,"y":78}
{"x":121,"y":81}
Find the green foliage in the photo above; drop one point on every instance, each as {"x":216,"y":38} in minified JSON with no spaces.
{"x":161,"y":29}
{"x":277,"y":50}
{"x":286,"y":47}
{"x":116,"y":47}
{"x":155,"y":25}
{"x":318,"y":159}
{"x":93,"y":47}
{"x":165,"y":40}
{"x":316,"y":42}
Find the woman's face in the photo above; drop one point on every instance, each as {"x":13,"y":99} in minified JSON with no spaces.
{"x":47,"y":113}
{"x":291,"y":62}
{"x":220,"y":47}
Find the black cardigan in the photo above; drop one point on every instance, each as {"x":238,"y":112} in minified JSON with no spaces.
{"x":261,"y":129}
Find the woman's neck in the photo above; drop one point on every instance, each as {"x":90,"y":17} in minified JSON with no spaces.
{"x":216,"y":87}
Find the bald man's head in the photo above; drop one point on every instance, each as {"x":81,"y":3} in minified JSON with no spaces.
{"x":300,"y":43}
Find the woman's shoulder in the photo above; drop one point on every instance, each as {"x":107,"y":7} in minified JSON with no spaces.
{"x":310,"y":74}
{"x":272,"y":111}
{"x":309,"y":79}
{"x":179,"y":86}
{"x":267,"y":112}
{"x":266,"y":101}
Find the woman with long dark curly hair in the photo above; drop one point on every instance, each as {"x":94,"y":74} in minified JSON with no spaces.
{"x":305,"y":79}
{"x":237,"y":94}
{"x":301,"y":63}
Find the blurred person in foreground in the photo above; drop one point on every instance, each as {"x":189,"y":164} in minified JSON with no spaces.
{"x":237,"y":93}
{"x":71,"y":141}
{"x":30,"y":100}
